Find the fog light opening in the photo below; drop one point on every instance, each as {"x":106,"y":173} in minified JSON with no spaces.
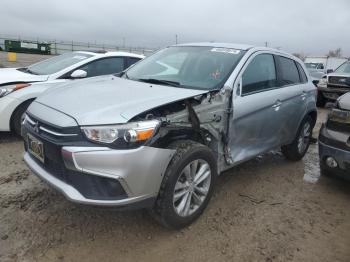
{"x":331,"y":162}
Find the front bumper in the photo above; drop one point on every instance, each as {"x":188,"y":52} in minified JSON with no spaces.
{"x":336,"y":145}
{"x":139,"y":173}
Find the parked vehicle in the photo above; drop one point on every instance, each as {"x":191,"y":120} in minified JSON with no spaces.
{"x":333,"y":85}
{"x":158,"y":136}
{"x":20,"y":86}
{"x":334,"y":140}
{"x":318,"y":66}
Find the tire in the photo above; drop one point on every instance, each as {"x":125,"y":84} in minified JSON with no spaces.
{"x":321,"y":100}
{"x":324,"y":171}
{"x":168,"y":209}
{"x":17,"y":117}
{"x":295,"y":151}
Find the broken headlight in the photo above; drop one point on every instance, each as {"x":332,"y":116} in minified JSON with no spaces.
{"x":5,"y":90}
{"x":128,"y":133}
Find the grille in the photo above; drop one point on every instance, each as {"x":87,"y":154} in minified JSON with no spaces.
{"x":339,"y":81}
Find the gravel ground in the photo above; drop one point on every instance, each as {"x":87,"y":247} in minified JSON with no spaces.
{"x":267,"y":209}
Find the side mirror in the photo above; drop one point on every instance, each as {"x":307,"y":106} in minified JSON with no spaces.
{"x":78,"y":74}
{"x":330,"y":71}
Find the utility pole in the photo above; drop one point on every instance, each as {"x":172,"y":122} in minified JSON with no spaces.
{"x":123,"y":42}
{"x":266,"y":44}
{"x":176,"y":39}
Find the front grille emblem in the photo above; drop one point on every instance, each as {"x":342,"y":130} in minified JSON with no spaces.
{"x":36,"y":127}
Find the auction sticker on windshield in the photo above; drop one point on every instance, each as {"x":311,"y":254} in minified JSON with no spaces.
{"x":225,"y":50}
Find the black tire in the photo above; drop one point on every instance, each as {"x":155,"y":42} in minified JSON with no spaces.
{"x":17,"y":117}
{"x":291,"y":151}
{"x":324,"y":171}
{"x":164,"y":209}
{"x":321,"y":100}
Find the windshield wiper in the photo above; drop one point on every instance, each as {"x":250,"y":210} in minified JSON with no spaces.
{"x":27,"y":70}
{"x":159,"y":81}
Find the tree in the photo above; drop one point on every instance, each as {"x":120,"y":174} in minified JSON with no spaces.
{"x":335,"y":53}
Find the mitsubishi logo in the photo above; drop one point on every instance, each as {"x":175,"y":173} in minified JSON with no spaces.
{"x":36,"y":127}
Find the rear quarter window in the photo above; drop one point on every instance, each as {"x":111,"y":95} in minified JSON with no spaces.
{"x":302,"y":74}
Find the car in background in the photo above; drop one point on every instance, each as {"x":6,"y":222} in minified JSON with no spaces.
{"x":318,"y":66}
{"x":334,"y":140}
{"x":159,"y":134}
{"x":20,"y":86}
{"x":333,"y":85}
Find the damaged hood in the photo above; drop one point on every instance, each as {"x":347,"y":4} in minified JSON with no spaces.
{"x":111,"y":100}
{"x":344,"y":101}
{"x":10,"y":75}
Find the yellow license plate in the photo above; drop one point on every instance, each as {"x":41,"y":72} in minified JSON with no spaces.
{"x":36,"y":148}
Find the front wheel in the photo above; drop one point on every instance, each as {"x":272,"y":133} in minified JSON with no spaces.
{"x":298,"y":148}
{"x":18,"y":117}
{"x":187,"y":185}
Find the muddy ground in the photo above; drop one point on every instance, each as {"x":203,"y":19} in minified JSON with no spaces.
{"x":268,"y":209}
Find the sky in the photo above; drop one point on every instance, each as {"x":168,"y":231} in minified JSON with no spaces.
{"x":311,"y":27}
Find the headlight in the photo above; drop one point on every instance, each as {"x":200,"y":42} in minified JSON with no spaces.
{"x":5,"y":90}
{"x":130,"y":132}
{"x":322,"y":82}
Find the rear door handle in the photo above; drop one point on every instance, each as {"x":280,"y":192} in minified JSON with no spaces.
{"x":303,"y":95}
{"x":277,"y":105}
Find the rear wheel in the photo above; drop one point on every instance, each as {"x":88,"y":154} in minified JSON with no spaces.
{"x":297,"y":149}
{"x":18,"y":117}
{"x":187,"y":185}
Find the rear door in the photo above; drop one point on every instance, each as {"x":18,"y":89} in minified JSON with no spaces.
{"x":292,"y":96}
{"x":256,"y":110}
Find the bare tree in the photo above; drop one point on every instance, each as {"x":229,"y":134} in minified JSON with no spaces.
{"x":335,"y":53}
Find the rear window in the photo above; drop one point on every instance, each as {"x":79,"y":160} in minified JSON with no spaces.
{"x":289,"y":70}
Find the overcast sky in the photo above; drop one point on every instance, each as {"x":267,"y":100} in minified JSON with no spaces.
{"x":307,"y":26}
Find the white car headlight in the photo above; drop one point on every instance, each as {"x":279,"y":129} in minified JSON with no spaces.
{"x":322,"y":82}
{"x":130,"y":132}
{"x":5,"y":90}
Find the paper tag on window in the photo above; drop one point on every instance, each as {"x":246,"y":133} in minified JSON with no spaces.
{"x":80,"y":57}
{"x":225,"y":50}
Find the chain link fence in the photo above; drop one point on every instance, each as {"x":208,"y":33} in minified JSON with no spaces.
{"x":60,"y":46}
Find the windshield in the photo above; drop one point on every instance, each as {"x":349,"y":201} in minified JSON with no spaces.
{"x":312,"y":65}
{"x":193,"y":67}
{"x":344,"y":68}
{"x":57,"y":63}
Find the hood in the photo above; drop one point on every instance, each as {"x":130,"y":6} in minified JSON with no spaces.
{"x":111,"y":100}
{"x":338,"y":74}
{"x":344,"y":101}
{"x":10,"y":75}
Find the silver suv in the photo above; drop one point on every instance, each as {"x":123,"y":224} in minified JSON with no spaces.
{"x":157,"y":135}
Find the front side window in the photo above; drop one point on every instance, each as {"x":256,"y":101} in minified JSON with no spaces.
{"x":344,"y":68}
{"x":105,"y":66}
{"x":259,"y":75}
{"x":195,"y":67}
{"x":289,"y":71}
{"x":58,"y":63}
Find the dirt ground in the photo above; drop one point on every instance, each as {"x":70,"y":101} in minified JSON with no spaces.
{"x":267,"y":209}
{"x":22,"y":59}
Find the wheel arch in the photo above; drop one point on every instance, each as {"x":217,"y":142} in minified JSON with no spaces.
{"x":28,"y":101}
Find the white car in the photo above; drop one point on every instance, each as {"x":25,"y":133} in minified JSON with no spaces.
{"x":20,"y":86}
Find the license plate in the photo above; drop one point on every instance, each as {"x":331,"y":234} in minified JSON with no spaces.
{"x":36,"y":148}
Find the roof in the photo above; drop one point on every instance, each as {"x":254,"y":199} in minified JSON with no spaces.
{"x":111,"y":53}
{"x":225,"y":45}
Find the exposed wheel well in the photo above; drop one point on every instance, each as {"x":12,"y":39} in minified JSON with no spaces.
{"x":27,"y":102}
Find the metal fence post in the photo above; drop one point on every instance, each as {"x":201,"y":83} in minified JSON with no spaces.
{"x":72,"y":46}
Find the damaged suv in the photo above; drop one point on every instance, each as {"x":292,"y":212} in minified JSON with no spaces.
{"x":158,"y":135}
